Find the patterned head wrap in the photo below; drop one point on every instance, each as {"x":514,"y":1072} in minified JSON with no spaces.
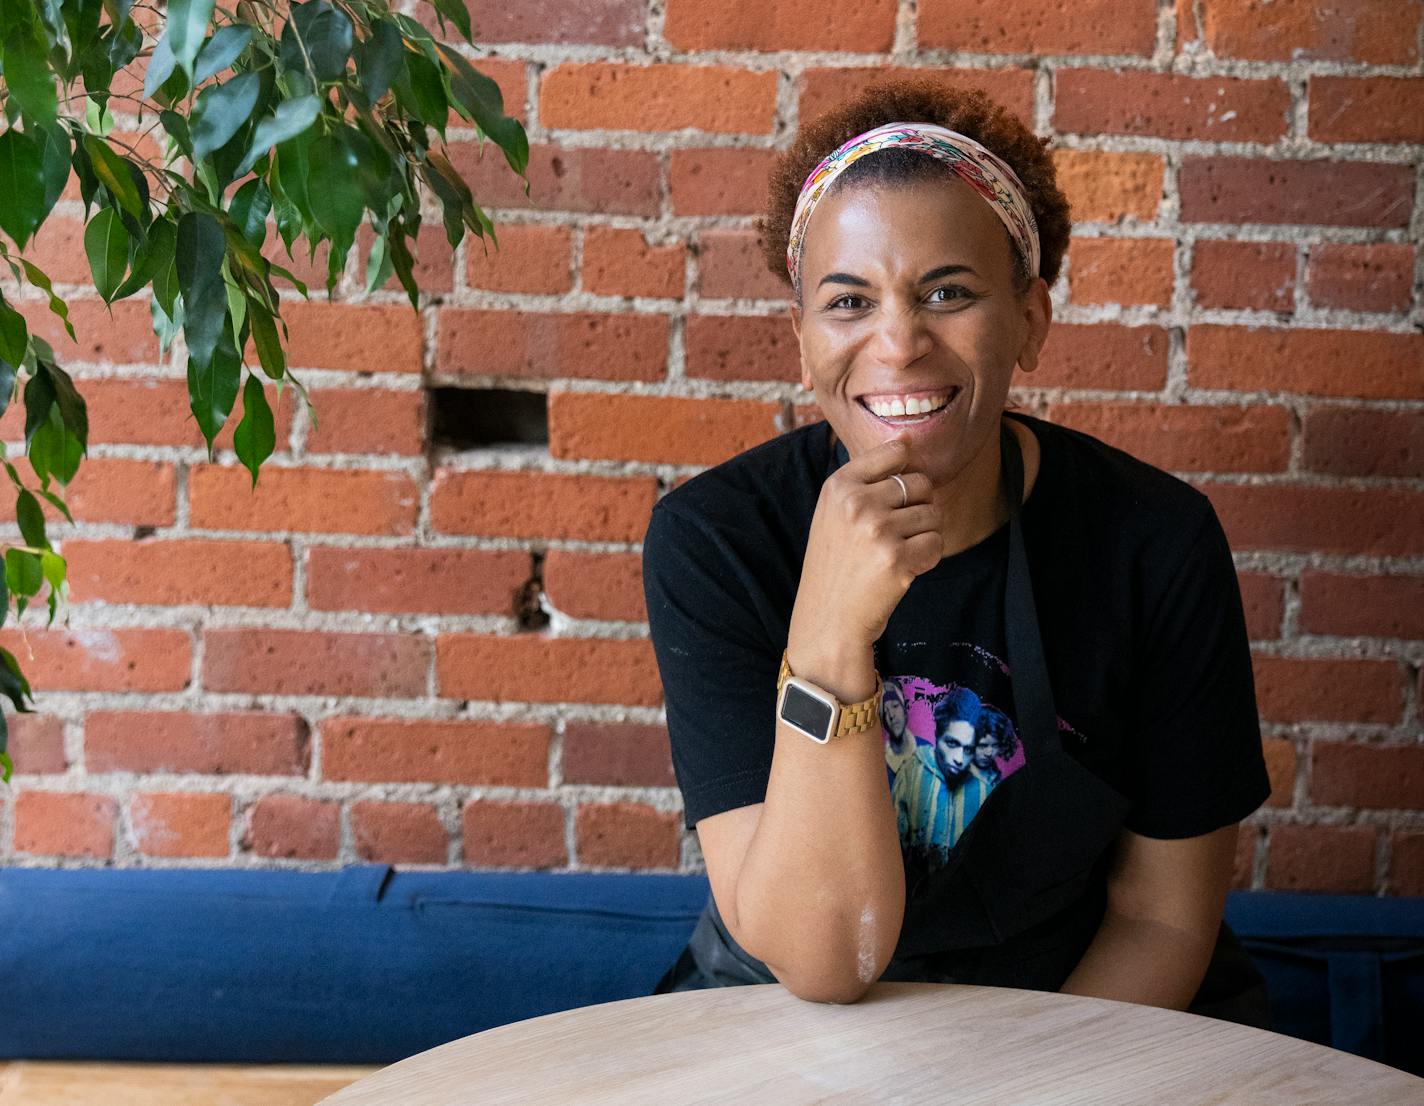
{"x":985,"y":172}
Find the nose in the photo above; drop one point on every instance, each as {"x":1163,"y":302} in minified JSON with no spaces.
{"x":901,"y":335}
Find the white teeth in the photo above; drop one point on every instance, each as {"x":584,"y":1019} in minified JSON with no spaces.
{"x":911,"y":407}
{"x":898,"y":408}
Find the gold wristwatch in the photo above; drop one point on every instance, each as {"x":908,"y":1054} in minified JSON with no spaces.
{"x":817,"y":713}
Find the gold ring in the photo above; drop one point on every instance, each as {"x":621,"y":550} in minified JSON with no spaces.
{"x":904,"y":493}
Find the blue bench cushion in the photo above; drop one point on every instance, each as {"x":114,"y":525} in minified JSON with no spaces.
{"x":364,"y":965}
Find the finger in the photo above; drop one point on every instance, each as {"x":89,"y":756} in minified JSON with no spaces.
{"x":878,"y":463}
{"x":915,"y":519}
{"x":923,"y":552}
{"x":918,"y":489}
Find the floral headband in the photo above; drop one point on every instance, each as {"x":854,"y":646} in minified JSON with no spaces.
{"x":986,"y":173}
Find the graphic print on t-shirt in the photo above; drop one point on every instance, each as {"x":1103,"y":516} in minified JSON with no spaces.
{"x":946,"y":749}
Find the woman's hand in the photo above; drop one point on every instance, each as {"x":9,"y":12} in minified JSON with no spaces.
{"x":865,"y":550}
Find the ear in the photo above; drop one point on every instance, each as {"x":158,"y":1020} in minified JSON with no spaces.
{"x":1038,"y":315}
{"x":796,"y":328}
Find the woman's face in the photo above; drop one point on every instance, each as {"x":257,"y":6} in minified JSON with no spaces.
{"x":908,"y":294}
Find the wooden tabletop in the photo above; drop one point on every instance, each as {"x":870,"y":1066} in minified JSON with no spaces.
{"x":72,"y":1083}
{"x":905,"y":1042}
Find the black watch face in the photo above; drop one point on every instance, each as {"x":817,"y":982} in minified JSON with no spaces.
{"x":806,"y":712}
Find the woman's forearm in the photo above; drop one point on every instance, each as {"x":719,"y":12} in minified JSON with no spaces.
{"x":821,"y":891}
{"x":1143,"y":961}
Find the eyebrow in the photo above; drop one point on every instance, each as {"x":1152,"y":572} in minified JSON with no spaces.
{"x":933,"y":274}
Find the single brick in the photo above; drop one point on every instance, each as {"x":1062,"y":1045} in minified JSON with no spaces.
{"x":1121,"y":270}
{"x":627,"y":835}
{"x":595,"y":585}
{"x":1376,"y":277}
{"x":53,"y":823}
{"x":666,"y":429}
{"x":725,"y":180}
{"x":180,"y":824}
{"x":367,"y":420}
{"x":123,"y":337}
{"x":1387,"y":522}
{"x":529,"y":258}
{"x":1307,"y":362}
{"x":1349,"y":441}
{"x":228,"y":743}
{"x":621,"y":262}
{"x":542,"y":505}
{"x":1243,"y":865}
{"x":1370,"y":606}
{"x":398,"y":833}
{"x":1107,"y":187}
{"x":1281,"y":764}
{"x":1263,"y":597}
{"x":672,"y":96}
{"x":617,"y":754}
{"x":1257,"y":275}
{"x":1380,"y":31}
{"x":742,"y":347}
{"x":593,"y":345}
{"x":36,"y":744}
{"x":309,"y":662}
{"x":1367,"y":109}
{"x":1406,"y":864}
{"x":1358,"y":774}
{"x":1169,"y":105}
{"x":176,"y":572}
{"x":731,"y":266}
{"x":110,"y":489}
{"x":1188,"y":439}
{"x":435,"y":751}
{"x":1311,"y":689}
{"x":824,"y":89}
{"x":867,"y":27}
{"x":1102,"y":355}
{"x":58,"y":250}
{"x":96,"y":658}
{"x":1220,"y":189}
{"x":338,"y":336}
{"x":514,"y":835}
{"x":437,"y":581}
{"x":563,"y":178}
{"x":535,"y":668}
{"x":1332,"y":859}
{"x":313,"y":500}
{"x":606,"y":23}
{"x":293,"y":827}
{"x":1039,"y":26}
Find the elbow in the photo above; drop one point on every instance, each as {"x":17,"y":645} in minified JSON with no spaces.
{"x":837,"y":990}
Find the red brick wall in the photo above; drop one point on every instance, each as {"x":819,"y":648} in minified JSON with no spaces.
{"x":332,"y":669}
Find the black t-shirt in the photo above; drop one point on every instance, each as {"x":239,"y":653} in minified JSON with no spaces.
{"x":1139,"y":611}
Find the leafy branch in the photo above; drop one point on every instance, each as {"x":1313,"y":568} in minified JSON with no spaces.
{"x":309,"y":117}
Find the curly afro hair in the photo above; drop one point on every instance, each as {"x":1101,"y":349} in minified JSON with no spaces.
{"x":918,"y":100}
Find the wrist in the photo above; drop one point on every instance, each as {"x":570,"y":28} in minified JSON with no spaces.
{"x":846,"y":671}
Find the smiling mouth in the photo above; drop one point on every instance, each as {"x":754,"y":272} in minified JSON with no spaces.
{"x":911,"y":411}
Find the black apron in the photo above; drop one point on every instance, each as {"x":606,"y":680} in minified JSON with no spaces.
{"x":1025,"y":887}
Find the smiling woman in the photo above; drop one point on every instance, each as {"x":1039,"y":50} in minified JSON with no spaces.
{"x":1050,"y":630}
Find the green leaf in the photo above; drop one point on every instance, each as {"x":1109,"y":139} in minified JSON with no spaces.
{"x":478,"y":98}
{"x":176,"y":127}
{"x":7,"y":387}
{"x":236,"y":308}
{"x":22,"y":184}
{"x":72,"y":408}
{"x":7,"y":766}
{"x":39,"y":398}
{"x":221,"y":50}
{"x":456,"y":12}
{"x":166,"y":322}
{"x":264,"y":336}
{"x":54,"y":153}
{"x":106,"y":241}
{"x":293,"y":177}
{"x":421,"y":91}
{"x":255,"y":437}
{"x":212,"y":388}
{"x":113,"y":171}
{"x":14,"y":336}
{"x":221,"y":110}
{"x":187,"y":23}
{"x":326,"y":34}
{"x":335,"y":190}
{"x":24,"y":575}
{"x":198,"y":257}
{"x":56,"y":305}
{"x":53,"y":567}
{"x":13,"y":684}
{"x":249,"y":208}
{"x":155,"y":255}
{"x":59,"y":505}
{"x":291,"y":118}
{"x":54,"y":451}
{"x":165,"y":267}
{"x":28,"y":75}
{"x":379,"y":264}
{"x":31,"y":520}
{"x":378,"y":59}
{"x":161,"y":64}
{"x":125,"y":44}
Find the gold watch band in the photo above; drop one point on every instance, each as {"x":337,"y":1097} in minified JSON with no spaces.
{"x":854,"y":717}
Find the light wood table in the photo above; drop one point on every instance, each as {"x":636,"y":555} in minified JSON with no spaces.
{"x":66,"y":1083}
{"x":904,"y":1043}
